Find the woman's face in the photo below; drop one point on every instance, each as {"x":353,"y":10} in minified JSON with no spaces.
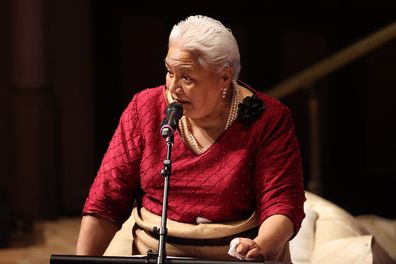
{"x":197,"y":88}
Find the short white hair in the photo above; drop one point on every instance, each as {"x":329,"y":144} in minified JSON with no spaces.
{"x":212,"y":42}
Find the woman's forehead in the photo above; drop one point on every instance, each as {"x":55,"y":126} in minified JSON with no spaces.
{"x":178,"y":56}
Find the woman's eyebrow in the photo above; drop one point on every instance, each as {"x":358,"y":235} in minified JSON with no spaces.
{"x":180,"y":66}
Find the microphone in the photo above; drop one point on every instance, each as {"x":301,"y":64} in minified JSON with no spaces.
{"x":173,"y":112}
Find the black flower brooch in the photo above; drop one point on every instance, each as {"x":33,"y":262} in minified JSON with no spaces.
{"x":251,"y":108}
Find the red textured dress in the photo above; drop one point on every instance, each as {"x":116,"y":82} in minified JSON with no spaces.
{"x":251,"y":166}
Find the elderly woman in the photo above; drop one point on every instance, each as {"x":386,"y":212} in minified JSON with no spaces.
{"x":236,"y":168}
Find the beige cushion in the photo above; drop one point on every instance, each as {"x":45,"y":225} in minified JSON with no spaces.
{"x":351,"y":250}
{"x":342,"y":238}
{"x":384,"y":231}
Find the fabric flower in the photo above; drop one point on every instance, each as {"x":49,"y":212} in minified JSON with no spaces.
{"x":251,"y":108}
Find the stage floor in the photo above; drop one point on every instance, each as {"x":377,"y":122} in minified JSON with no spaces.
{"x":45,"y":238}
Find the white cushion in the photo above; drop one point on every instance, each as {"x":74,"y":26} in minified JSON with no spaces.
{"x":333,"y":222}
{"x":302,"y":244}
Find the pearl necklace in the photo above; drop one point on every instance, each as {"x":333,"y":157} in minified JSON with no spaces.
{"x":185,"y":126}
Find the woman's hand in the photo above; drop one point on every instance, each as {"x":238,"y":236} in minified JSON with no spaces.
{"x":246,"y":249}
{"x":273,"y":235}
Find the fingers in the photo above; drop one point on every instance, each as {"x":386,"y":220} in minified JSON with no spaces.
{"x":254,"y":254}
{"x":245,"y":249}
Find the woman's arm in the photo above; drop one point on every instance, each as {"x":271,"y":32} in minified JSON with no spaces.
{"x":95,"y":235}
{"x":273,"y":235}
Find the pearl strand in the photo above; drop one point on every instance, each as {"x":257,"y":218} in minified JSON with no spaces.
{"x":185,"y":127}
{"x":236,"y":93}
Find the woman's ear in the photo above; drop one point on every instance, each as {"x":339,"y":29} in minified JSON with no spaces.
{"x":227,"y":75}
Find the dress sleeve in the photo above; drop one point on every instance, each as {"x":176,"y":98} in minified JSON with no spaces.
{"x":279,"y":184}
{"x":113,"y":191}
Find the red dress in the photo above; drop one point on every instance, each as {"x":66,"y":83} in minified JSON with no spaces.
{"x":251,"y":166}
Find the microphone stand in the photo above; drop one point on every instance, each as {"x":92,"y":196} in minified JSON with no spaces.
{"x":166,"y":172}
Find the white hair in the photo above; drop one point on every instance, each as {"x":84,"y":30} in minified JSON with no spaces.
{"x":212,"y":42}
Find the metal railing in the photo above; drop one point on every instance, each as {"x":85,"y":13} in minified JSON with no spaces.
{"x":306,"y":80}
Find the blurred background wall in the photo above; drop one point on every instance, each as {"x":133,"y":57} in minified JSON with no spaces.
{"x":69,"y":68}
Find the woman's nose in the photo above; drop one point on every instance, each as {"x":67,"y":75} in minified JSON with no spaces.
{"x":173,"y":85}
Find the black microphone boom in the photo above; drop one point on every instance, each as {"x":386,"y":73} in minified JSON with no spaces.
{"x":173,"y":112}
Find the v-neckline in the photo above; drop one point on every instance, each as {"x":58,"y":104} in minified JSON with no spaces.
{"x":211,"y":147}
{"x":186,"y":145}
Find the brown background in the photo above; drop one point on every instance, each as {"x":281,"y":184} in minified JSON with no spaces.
{"x":68,"y":69}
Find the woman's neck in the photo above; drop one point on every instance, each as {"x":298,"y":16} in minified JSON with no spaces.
{"x":216,"y":119}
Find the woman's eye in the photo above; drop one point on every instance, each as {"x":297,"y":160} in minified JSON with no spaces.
{"x":187,"y":79}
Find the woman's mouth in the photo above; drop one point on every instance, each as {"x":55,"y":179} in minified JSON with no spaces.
{"x":179,"y":100}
